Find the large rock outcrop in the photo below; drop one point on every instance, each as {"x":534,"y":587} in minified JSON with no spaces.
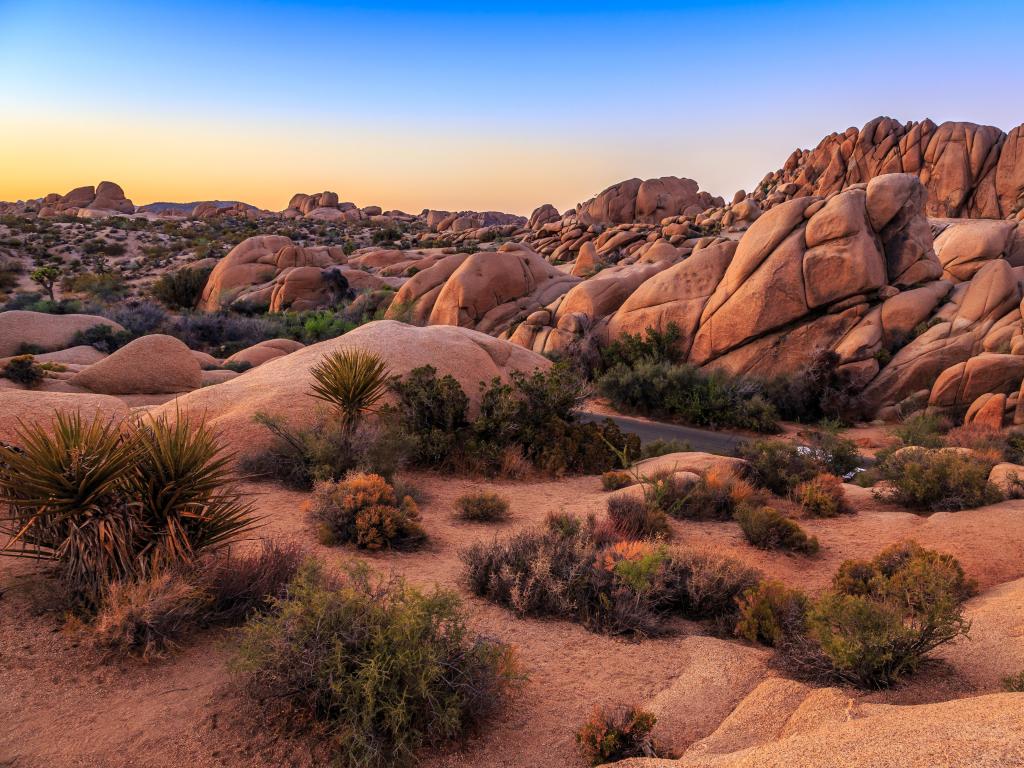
{"x":149,"y":365}
{"x":647,"y":201}
{"x":968,"y":170}
{"x":282,"y":386}
{"x":23,"y":329}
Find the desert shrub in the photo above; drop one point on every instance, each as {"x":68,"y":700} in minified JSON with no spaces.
{"x":107,"y":286}
{"x":716,"y":495}
{"x":433,"y":410}
{"x":617,"y":733}
{"x":703,"y":584}
{"x":819,"y":391}
{"x":822,"y":496}
{"x":222,"y":333}
{"x":377,"y":669}
{"x":767,"y":528}
{"x":149,"y":616}
{"x":613,"y":480}
{"x":989,"y":443}
{"x":24,"y":370}
{"x":835,"y":453}
{"x":483,"y":507}
{"x":634,"y":518}
{"x":885,"y":616}
{"x":112,"y":501}
{"x":689,"y":394}
{"x":619,"y":587}
{"x":1014,"y":683}
{"x":364,"y":510}
{"x":240,"y":585}
{"x":653,"y":346}
{"x":102,"y":337}
{"x":534,"y":414}
{"x":771,"y":614}
{"x":937,"y":480}
{"x":182,"y":288}
{"x":778,"y":465}
{"x":138,"y":317}
{"x":326,"y":450}
{"x":352,"y":382}
{"x":660,"y":447}
{"x":922,"y":429}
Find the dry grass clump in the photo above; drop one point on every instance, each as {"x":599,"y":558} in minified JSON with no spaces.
{"x":619,"y":587}
{"x":483,"y":507}
{"x":716,"y":495}
{"x":636,"y":518}
{"x":363,"y":509}
{"x":153,"y":615}
{"x":822,"y":496}
{"x":611,"y":734}
{"x":615,"y":479}
{"x":375,"y":669}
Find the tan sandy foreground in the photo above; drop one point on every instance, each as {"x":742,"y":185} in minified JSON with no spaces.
{"x":63,"y":705}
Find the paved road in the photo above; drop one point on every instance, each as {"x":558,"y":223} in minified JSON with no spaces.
{"x":699,"y":439}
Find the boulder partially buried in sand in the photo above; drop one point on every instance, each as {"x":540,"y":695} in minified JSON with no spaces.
{"x":150,"y":365}
{"x":35,"y":407}
{"x":282,"y":386}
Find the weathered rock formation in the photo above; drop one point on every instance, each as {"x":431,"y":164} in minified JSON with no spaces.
{"x":968,"y":170}
{"x":646,"y":202}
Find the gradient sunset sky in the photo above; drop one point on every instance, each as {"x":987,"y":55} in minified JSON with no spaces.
{"x":471,"y":105}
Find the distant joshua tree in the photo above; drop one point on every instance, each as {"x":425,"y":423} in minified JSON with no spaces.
{"x":46,"y":277}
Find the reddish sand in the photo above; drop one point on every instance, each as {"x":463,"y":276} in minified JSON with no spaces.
{"x":62,"y":705}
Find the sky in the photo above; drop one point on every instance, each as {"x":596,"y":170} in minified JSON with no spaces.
{"x":471,"y":105}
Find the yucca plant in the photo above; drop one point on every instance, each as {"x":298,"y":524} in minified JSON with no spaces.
{"x":352,"y":381}
{"x":185,"y":488}
{"x":67,"y":497}
{"x":111,"y":500}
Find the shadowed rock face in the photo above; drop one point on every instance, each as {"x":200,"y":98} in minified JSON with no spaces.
{"x":968,"y":170}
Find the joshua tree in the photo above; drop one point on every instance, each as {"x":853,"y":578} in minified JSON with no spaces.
{"x":47,"y":278}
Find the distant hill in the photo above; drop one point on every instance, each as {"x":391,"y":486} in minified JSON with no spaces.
{"x":186,"y":208}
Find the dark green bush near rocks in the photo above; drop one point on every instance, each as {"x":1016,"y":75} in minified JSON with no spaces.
{"x":24,"y":370}
{"x":534,"y":414}
{"x":937,"y":480}
{"x":819,"y":391}
{"x":375,"y":670}
{"x":690,"y":395}
{"x":653,"y":346}
{"x":778,"y":465}
{"x":102,"y":337}
{"x":772,"y":613}
{"x":182,"y":288}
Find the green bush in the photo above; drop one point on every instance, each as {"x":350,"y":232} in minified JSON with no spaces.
{"x":778,"y":465}
{"x":716,"y":495}
{"x":24,"y":370}
{"x":653,"y":346}
{"x":771,"y":614}
{"x":924,"y":430}
{"x":379,"y":668}
{"x":884,"y":617}
{"x":822,"y":496}
{"x":616,"y":734}
{"x":107,"y":286}
{"x":363,"y":509}
{"x":937,"y":480}
{"x":819,"y":391}
{"x":661,"y":447}
{"x":1014,"y":683}
{"x":112,"y":501}
{"x":102,"y":337}
{"x":688,"y":394}
{"x":534,"y":414}
{"x":483,"y":507}
{"x":767,"y":528}
{"x":182,"y":288}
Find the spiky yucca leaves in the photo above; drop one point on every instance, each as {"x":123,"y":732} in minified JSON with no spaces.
{"x":352,"y":381}
{"x":185,"y":486}
{"x":67,"y":497}
{"x":112,"y":500}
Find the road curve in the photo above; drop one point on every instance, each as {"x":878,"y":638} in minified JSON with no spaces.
{"x":699,"y":439}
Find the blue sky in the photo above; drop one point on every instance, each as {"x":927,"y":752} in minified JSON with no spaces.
{"x":471,"y":105}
